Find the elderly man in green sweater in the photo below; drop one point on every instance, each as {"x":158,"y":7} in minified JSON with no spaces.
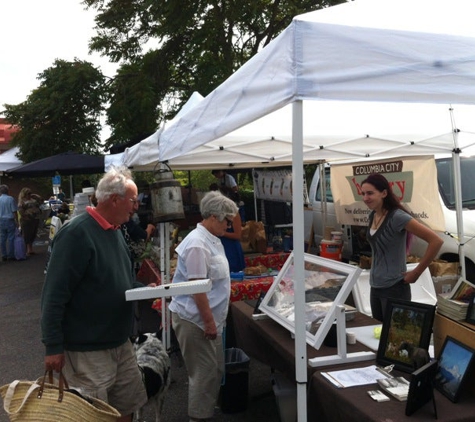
{"x":86,"y":321}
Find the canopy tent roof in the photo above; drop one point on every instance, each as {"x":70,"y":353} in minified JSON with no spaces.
{"x":333,"y":130}
{"x":366,"y":50}
{"x":9,"y":160}
{"x":65,"y":164}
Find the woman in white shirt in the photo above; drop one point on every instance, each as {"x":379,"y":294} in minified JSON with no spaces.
{"x":199,"y":319}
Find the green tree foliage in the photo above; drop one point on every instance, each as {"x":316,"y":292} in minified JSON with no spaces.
{"x":62,"y":114}
{"x":133,"y":112}
{"x":171,"y":48}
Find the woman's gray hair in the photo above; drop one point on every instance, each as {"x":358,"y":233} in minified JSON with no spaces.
{"x":215,"y":203}
{"x":114,"y":182}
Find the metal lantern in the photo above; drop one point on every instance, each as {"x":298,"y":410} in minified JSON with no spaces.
{"x":167,"y":203}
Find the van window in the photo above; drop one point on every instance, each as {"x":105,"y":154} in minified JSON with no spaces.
{"x":445,"y":177}
{"x":319,"y":194}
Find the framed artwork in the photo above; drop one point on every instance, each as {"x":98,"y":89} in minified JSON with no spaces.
{"x":405,"y":334}
{"x":327,"y":285}
{"x":455,"y":361}
{"x":471,"y":311}
{"x":421,"y":388}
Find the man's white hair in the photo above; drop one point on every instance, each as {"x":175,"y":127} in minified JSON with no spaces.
{"x":114,"y":182}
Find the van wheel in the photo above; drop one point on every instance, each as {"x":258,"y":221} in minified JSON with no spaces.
{"x":470,"y":270}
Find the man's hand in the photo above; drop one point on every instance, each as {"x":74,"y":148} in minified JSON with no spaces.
{"x":54,"y":362}
{"x":150,"y":230}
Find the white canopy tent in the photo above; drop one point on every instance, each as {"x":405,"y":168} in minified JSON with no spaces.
{"x":368,"y":50}
{"x":9,"y":160}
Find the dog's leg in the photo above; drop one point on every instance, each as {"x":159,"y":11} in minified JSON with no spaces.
{"x":137,"y":416}
{"x":156,"y":406}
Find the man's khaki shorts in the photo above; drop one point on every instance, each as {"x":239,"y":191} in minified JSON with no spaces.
{"x":110,"y":375}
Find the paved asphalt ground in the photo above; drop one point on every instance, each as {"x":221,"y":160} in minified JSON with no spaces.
{"x":21,"y":350}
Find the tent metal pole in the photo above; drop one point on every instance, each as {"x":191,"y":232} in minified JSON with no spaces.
{"x":71,"y":191}
{"x":255,"y":199}
{"x":299,"y":278}
{"x":458,"y":194}
{"x":458,"y":210}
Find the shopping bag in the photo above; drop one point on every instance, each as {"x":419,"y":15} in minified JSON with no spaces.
{"x":19,"y":246}
{"x":42,"y":401}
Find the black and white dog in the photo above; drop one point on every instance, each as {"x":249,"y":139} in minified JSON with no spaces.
{"x":154,"y":363}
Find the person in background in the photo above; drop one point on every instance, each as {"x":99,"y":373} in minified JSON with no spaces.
{"x":86,"y":183}
{"x":30,"y":213}
{"x":8,"y":223}
{"x":231,"y":241}
{"x":136,"y":237}
{"x":226,"y":184}
{"x":61,"y":195}
{"x":85,"y":320}
{"x":199,"y":319}
{"x":64,"y":209}
{"x":390,"y":224}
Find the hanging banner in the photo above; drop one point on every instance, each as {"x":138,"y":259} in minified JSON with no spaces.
{"x":275,"y":185}
{"x":413,"y":181}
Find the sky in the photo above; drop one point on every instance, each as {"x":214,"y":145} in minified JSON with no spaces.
{"x":33,"y":34}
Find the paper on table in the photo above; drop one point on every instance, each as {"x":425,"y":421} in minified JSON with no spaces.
{"x":353,"y":377}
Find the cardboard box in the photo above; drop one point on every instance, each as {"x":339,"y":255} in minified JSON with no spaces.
{"x":439,"y":267}
{"x":461,"y":331}
{"x":327,"y":235}
{"x":445,"y":283}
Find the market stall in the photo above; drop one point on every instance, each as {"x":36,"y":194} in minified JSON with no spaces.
{"x":371,"y":50}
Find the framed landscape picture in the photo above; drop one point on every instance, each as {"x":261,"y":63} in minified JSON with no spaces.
{"x":455,"y":361}
{"x":407,"y":328}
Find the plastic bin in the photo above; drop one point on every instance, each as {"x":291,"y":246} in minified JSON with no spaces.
{"x":422,"y":292}
{"x":235,"y":391}
{"x":285,"y":392}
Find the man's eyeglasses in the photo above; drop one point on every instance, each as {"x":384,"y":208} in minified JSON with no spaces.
{"x":230,"y":222}
{"x":135,"y":201}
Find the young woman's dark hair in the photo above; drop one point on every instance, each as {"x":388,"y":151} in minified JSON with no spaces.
{"x":390,"y":202}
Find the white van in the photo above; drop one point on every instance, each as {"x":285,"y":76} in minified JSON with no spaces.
{"x":354,"y":246}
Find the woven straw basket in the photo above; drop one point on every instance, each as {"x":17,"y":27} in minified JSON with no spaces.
{"x":44,"y":402}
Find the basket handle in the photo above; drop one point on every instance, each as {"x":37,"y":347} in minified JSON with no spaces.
{"x":9,"y":395}
{"x":11,"y":391}
{"x":62,"y":384}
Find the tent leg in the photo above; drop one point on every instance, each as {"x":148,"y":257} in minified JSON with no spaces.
{"x":71,"y":191}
